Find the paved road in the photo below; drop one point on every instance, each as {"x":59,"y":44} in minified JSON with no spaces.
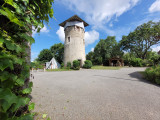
{"x":96,"y":95}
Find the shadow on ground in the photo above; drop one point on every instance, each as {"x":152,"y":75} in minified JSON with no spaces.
{"x":139,"y":78}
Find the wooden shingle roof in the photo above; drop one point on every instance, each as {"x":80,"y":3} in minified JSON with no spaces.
{"x":74,"y":18}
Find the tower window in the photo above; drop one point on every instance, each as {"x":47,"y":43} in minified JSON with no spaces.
{"x":69,"y":39}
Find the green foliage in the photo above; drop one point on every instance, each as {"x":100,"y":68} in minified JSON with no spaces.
{"x":136,"y":62}
{"x":153,"y":74}
{"x":76,"y":65}
{"x":88,"y":64}
{"x":58,"y":52}
{"x":17,"y":18}
{"x":90,"y":56}
{"x":152,"y":59}
{"x":68,"y":65}
{"x":45,"y":56}
{"x":62,"y":65}
{"x":141,"y":39}
{"x":127,"y":59}
{"x":155,"y":59}
{"x":105,"y":50}
{"x":31,"y":106}
{"x":36,"y":65}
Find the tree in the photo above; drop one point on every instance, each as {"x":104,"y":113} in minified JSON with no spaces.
{"x":106,"y":49}
{"x":45,"y":56}
{"x":90,"y":56}
{"x":142,"y":39}
{"x":153,"y":58}
{"x":58,"y":52}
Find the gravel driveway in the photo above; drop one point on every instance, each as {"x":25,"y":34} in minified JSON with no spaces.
{"x":96,"y":95}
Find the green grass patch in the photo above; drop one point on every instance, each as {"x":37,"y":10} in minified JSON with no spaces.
{"x":98,"y":67}
{"x":63,"y":69}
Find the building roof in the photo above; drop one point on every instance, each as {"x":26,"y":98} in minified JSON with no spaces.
{"x":74,"y":18}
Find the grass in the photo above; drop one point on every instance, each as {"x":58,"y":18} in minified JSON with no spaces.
{"x":63,"y":69}
{"x":97,"y":67}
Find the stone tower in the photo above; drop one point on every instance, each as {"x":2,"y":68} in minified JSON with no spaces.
{"x":74,"y":45}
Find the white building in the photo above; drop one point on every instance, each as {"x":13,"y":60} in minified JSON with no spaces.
{"x":53,"y":64}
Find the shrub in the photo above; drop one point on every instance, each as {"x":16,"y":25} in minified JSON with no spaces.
{"x":76,"y":65}
{"x":136,"y":62}
{"x":62,"y":65}
{"x":156,"y":59}
{"x":68,"y":65}
{"x":153,"y":74}
{"x":88,"y":64}
{"x":145,"y":63}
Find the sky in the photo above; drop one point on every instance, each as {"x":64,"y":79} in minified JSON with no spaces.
{"x":105,"y":18}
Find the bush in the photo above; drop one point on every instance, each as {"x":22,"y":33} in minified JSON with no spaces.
{"x":145,"y":63}
{"x":62,"y":65}
{"x":153,"y":74}
{"x":76,"y":65}
{"x":155,"y":59}
{"x":68,"y":65}
{"x":36,"y":65}
{"x":136,"y":62}
{"x":88,"y":64}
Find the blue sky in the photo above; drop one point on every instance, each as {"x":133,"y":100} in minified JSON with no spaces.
{"x":105,"y":17}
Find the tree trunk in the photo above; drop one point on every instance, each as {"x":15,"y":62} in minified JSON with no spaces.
{"x":28,"y":58}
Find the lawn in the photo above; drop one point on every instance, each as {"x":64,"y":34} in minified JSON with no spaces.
{"x":97,"y":67}
{"x":63,"y":69}
{"x":105,"y":68}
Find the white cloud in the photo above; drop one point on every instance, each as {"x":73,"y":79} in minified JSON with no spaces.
{"x":92,"y":49}
{"x":111,"y":25}
{"x":90,"y":36}
{"x":155,"y":6}
{"x":34,"y":55}
{"x":60,"y":33}
{"x":43,"y":30}
{"x":99,"y":12}
{"x":33,"y":31}
{"x":156,"y":49}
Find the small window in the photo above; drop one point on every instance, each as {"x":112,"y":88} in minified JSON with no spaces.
{"x":69,"y":39}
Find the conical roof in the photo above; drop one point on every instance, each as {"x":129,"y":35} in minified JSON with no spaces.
{"x":74,"y":18}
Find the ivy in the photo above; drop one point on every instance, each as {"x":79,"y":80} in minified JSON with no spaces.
{"x":17,"y":18}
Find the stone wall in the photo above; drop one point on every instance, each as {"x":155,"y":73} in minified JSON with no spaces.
{"x":74,"y":47}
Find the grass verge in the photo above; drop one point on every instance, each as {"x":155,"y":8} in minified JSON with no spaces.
{"x":97,"y":67}
{"x":63,"y":69}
